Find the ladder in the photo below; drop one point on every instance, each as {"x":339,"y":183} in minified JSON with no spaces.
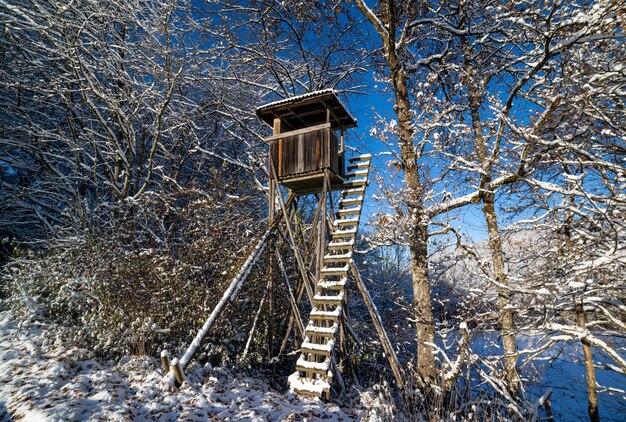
{"x":314,"y":368}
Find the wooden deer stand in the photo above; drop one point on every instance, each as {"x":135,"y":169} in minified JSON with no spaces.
{"x":308,"y":158}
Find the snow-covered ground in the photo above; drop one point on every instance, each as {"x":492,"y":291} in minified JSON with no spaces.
{"x":42,"y":381}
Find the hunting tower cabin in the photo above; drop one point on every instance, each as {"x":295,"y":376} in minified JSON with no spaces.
{"x":304,"y":143}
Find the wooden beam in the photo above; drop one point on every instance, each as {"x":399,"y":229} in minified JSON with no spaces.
{"x":165,"y":360}
{"x":298,"y":116}
{"x":274,"y":190}
{"x":276,"y":127}
{"x":177,"y":369}
{"x":297,"y":132}
{"x":329,"y":112}
{"x":294,"y":245}
{"x":329,"y":185}
{"x":321,"y":238}
{"x":292,"y":299}
{"x":291,"y":319}
{"x":253,"y":328}
{"x":314,"y":227}
{"x":378,"y":324}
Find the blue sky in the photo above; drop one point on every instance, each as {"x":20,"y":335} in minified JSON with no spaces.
{"x":365,"y":108}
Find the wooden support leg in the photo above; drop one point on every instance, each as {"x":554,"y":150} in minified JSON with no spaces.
{"x":165,"y":360}
{"x":291,"y":319}
{"x":382,"y":334}
{"x":178,"y":372}
{"x":274,"y":190}
{"x":270,"y":307}
{"x":294,"y":246}
{"x":244,"y":355}
{"x":283,"y":344}
{"x":292,"y":299}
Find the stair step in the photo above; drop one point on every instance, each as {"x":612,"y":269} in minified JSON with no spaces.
{"x":361,"y":157}
{"x":309,"y":387}
{"x":350,"y":201}
{"x":344,"y":257}
{"x":356,"y":173}
{"x":359,"y":165}
{"x":346,"y":222}
{"x":318,"y":349}
{"x":304,"y":365}
{"x":349,"y":211}
{"x":326,"y":315}
{"x":313,"y":330}
{"x":355,"y":182}
{"x":332,"y":246}
{"x":319,"y":299}
{"x":353,"y":191}
{"x":335,"y":270}
{"x":344,"y":233}
{"x":333,"y":284}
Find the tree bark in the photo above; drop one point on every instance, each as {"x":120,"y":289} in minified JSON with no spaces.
{"x":590,"y":373}
{"x":581,"y":321}
{"x":489,"y":211}
{"x":418,"y":236}
{"x":504,"y":303}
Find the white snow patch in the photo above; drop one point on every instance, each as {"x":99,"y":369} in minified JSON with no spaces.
{"x":60,"y":385}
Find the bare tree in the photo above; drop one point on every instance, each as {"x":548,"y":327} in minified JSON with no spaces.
{"x":465,"y":76}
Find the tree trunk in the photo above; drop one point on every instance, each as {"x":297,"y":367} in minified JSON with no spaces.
{"x":495,"y":241}
{"x":504,"y":302}
{"x":581,"y":321}
{"x":418,"y":236}
{"x":425,"y":329}
{"x":590,"y":373}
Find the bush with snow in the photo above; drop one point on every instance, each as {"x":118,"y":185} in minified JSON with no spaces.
{"x":144,"y":278}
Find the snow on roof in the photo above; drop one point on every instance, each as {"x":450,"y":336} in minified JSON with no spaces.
{"x":299,"y":98}
{"x":327,"y":99}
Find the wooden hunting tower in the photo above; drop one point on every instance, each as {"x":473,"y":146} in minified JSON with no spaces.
{"x":307,"y":156}
{"x":305,"y":143}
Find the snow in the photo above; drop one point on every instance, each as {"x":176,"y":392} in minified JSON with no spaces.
{"x":298,"y":98}
{"x":320,"y":297}
{"x":61,"y":384}
{"x":328,"y":347}
{"x":296,"y":382}
{"x":322,"y":330}
{"x":360,"y":157}
{"x":323,"y":366}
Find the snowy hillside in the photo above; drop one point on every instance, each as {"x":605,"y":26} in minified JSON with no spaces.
{"x":463,"y":267}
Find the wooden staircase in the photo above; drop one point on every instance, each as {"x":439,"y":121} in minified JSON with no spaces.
{"x":314,"y":368}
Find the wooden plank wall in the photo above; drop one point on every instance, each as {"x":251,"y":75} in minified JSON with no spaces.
{"x":306,"y":153}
